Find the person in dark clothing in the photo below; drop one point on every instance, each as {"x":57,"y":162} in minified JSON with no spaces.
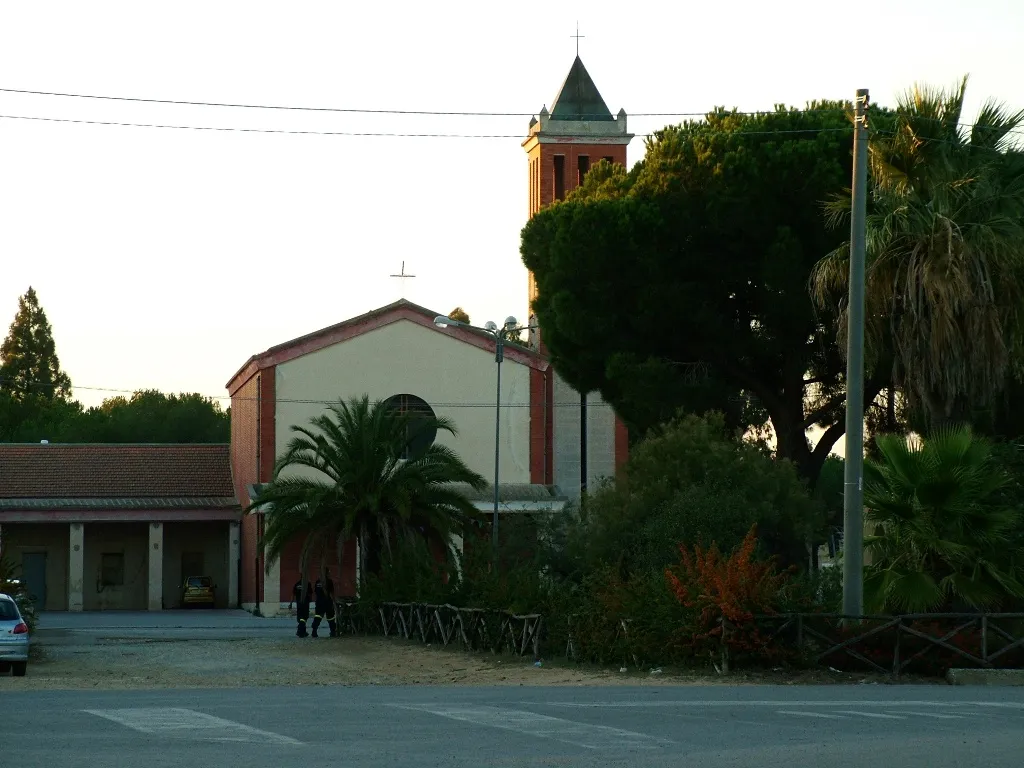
{"x":302,"y":607}
{"x":325,"y":608}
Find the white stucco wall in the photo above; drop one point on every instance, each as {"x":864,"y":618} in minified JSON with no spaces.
{"x":566,"y":428}
{"x":407,"y":358}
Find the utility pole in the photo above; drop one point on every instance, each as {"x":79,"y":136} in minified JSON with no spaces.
{"x":499,"y":356}
{"x":853,"y":484}
{"x":583,"y":448}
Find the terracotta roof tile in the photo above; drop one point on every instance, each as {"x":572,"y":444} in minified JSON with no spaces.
{"x":114,"y":471}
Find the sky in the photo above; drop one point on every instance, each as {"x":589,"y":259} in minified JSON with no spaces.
{"x":166,"y":257}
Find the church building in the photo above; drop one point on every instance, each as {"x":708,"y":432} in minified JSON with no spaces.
{"x":554,"y":443}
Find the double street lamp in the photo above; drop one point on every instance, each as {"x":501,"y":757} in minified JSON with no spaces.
{"x":501,"y":334}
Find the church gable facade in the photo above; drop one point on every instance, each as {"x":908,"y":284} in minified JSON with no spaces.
{"x":395,"y":354}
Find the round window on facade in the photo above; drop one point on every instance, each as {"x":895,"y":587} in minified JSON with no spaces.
{"x":421,"y":431}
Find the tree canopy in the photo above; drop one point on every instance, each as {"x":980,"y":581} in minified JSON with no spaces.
{"x":29,"y":367}
{"x":146,"y":417}
{"x":684,"y":282}
{"x":945,"y":251}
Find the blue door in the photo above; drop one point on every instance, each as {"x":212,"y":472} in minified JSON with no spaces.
{"x":33,"y":573}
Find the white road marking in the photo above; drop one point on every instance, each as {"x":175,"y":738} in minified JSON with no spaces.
{"x":545,"y":727}
{"x":936,"y":715}
{"x":876,"y":715}
{"x":807,"y":714}
{"x":888,"y":704}
{"x":187,"y":723}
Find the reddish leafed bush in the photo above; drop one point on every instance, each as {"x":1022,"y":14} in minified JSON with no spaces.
{"x":726,"y":593}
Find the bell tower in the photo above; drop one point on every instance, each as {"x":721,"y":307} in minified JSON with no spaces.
{"x":575,"y":439}
{"x":564,"y":143}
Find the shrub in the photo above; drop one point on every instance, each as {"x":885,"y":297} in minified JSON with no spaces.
{"x":690,"y":482}
{"x":945,"y":530}
{"x":727,"y":593}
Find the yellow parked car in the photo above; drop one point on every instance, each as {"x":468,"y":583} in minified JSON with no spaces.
{"x":198,"y":591}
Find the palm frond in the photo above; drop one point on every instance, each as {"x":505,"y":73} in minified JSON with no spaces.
{"x":342,"y":478}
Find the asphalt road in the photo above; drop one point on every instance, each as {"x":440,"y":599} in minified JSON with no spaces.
{"x":726,"y":727}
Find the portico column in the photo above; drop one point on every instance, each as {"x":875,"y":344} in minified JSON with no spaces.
{"x":233,"y":555}
{"x":156,"y":567}
{"x":76,"y":567}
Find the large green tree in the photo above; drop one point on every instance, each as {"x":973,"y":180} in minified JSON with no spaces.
{"x":945,"y":252}
{"x":683,"y":283}
{"x":29,"y":367}
{"x":344,"y":477}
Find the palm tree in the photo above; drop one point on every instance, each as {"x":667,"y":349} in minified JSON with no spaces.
{"x":945,"y":249}
{"x":944,"y":534}
{"x":344,"y":477}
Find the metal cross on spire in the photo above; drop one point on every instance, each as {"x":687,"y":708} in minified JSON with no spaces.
{"x":402,"y":276}
{"x":578,"y":37}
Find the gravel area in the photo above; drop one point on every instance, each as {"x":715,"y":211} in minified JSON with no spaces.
{"x":141,"y":663}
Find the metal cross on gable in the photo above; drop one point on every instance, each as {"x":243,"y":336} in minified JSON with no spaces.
{"x":403,"y":276}
{"x":578,"y":37}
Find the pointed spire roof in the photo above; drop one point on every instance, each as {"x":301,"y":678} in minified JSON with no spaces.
{"x":579,"y":98}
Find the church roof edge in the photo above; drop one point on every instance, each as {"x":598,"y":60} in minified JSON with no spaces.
{"x":355,"y":326}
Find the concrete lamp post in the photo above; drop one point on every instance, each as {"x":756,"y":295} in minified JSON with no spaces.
{"x":500,"y":334}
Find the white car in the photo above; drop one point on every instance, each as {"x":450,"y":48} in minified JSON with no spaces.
{"x":14,"y":638}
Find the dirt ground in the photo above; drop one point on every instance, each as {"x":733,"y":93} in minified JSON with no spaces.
{"x":139,"y":663}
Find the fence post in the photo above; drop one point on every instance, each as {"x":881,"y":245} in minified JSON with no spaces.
{"x":984,"y":637}
{"x":896,"y":648}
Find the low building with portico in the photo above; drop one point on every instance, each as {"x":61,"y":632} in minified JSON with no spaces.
{"x":107,"y":527}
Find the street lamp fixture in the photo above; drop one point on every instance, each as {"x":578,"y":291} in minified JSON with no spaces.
{"x":500,"y":334}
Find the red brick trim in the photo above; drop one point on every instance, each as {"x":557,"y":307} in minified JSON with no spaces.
{"x":268,"y":423}
{"x":541,"y":429}
{"x":621,"y":444}
{"x":244,"y":375}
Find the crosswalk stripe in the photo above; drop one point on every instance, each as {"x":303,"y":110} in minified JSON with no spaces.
{"x":798,"y":713}
{"x":188,"y":723}
{"x":546,"y":727}
{"x":936,"y":715}
{"x":875,"y":715}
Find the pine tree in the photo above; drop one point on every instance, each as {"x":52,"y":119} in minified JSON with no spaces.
{"x":29,"y":368}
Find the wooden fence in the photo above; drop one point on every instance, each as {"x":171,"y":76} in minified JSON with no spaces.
{"x":893,"y":645}
{"x":474,"y":629}
{"x":925,"y":643}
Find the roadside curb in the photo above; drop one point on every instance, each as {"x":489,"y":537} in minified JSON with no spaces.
{"x":1012,"y":677}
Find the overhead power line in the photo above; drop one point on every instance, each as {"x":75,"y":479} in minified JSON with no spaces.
{"x":345,"y":110}
{"x":357,"y":133}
